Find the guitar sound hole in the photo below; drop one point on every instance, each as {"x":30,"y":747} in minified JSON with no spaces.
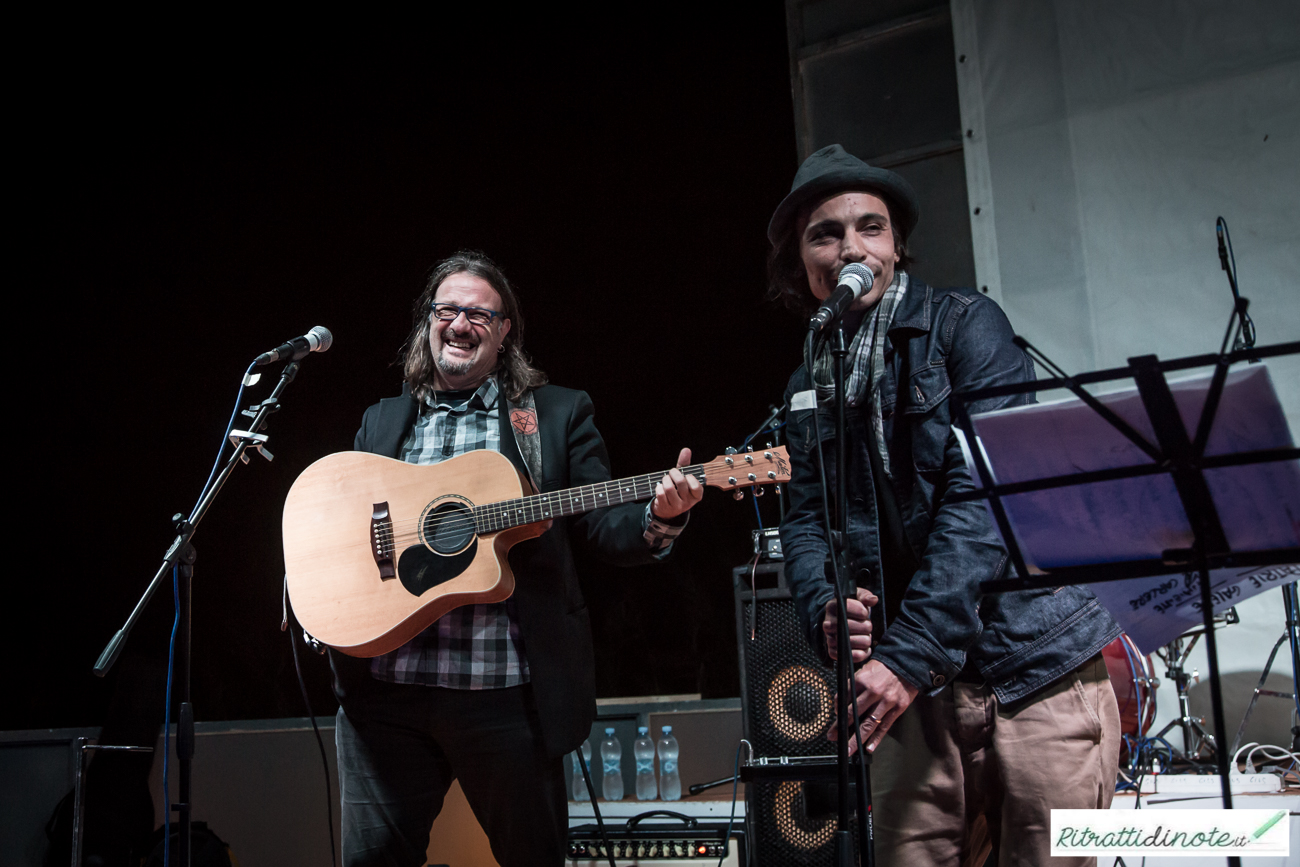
{"x":449,"y":528}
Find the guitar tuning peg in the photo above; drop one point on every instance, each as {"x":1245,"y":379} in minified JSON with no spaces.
{"x":759,"y":491}
{"x":749,"y":448}
{"x":778,"y":489}
{"x":729,"y":450}
{"x":738,"y":495}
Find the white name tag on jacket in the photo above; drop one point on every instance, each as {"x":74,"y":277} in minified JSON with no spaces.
{"x":804,"y":400}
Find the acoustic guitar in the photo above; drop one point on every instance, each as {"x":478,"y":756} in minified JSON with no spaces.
{"x":376,"y":549}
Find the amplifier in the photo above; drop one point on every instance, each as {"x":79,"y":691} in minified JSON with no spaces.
{"x":652,"y":842}
{"x":788,"y":699}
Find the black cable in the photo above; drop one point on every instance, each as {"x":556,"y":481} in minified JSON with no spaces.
{"x":735,"y":789}
{"x":329,"y":785}
{"x":810,"y":354}
{"x":230,"y":425}
{"x":171,"y":652}
{"x":770,"y":424}
{"x":167,"y":722}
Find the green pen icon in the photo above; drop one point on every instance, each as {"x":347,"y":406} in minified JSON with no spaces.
{"x":1269,"y":824}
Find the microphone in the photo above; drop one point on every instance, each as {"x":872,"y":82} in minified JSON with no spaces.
{"x":318,"y":339}
{"x":855,"y":281}
{"x":1246,"y":326}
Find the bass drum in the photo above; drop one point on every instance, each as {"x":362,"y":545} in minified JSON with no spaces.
{"x":1132,"y":675}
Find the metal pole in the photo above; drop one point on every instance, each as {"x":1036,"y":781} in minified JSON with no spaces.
{"x":79,"y":800}
{"x":1291,"y":598}
{"x":82,"y":746}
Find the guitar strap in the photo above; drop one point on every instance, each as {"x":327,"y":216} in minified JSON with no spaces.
{"x":528,"y":434}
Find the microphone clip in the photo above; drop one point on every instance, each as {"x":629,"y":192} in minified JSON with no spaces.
{"x":255,"y":441}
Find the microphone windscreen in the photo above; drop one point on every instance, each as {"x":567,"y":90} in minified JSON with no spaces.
{"x":320,"y":338}
{"x":858,"y":276}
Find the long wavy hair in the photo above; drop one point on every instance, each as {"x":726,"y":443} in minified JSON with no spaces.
{"x":787,"y":281}
{"x":515,"y":371}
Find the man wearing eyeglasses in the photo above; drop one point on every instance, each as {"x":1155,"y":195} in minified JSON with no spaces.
{"x":491,"y":695}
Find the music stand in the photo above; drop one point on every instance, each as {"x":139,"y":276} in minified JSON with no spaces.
{"x":1175,"y":454}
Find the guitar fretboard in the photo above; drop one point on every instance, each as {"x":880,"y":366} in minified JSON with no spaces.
{"x":494,"y":517}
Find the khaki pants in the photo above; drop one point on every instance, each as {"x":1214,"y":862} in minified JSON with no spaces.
{"x":958,"y":775}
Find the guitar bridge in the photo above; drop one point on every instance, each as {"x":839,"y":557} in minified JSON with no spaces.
{"x":381,"y":540}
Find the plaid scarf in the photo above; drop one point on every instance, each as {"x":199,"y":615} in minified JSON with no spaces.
{"x":866,"y":362}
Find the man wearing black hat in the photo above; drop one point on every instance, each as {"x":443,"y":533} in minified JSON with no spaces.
{"x":976,"y":708}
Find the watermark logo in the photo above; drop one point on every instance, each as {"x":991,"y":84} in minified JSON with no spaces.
{"x":1171,"y":832}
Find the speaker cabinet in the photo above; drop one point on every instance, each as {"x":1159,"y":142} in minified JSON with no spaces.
{"x":787,"y":696}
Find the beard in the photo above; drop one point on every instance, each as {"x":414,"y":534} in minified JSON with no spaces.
{"x":453,"y":368}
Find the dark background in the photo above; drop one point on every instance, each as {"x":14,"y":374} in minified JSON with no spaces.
{"x":183,"y":207}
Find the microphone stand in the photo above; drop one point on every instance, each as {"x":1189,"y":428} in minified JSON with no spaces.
{"x":843,"y":590}
{"x":181,"y":556}
{"x":846,"y":712}
{"x":1245,"y":339}
{"x":774,"y":413}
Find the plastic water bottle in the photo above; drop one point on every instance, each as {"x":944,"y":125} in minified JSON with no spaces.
{"x":670,"y":781}
{"x":580,"y":792}
{"x":611,"y":757}
{"x":644,"y":750}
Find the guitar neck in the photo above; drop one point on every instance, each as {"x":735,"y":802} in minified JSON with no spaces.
{"x":494,"y":517}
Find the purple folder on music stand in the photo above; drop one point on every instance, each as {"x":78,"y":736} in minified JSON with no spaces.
{"x":1138,"y":518}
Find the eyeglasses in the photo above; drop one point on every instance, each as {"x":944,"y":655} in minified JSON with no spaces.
{"x":476,"y":315}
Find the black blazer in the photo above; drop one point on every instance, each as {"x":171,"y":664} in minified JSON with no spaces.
{"x":552,"y":613}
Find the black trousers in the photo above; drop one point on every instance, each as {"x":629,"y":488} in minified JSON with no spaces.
{"x":400,"y":749}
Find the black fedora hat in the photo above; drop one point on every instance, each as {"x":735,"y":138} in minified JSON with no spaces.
{"x":833,"y":169}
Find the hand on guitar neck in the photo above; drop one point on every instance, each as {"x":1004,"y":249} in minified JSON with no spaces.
{"x":676,"y":493}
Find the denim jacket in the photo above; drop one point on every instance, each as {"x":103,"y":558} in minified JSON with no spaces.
{"x":940,"y":341}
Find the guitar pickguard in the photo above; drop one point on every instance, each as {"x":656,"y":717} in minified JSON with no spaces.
{"x":419,"y":568}
{"x":447,"y":531}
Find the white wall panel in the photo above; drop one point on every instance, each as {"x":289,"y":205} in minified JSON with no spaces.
{"x":1115,"y":133}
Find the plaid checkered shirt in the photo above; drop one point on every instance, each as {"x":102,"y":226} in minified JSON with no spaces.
{"x":474,"y":646}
